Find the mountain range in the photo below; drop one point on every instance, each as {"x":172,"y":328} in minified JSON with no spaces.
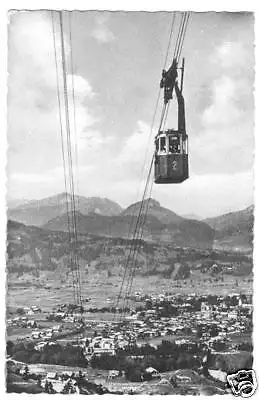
{"x":103,"y":217}
{"x":39,"y":212}
{"x":234,"y":229}
{"x":38,"y":255}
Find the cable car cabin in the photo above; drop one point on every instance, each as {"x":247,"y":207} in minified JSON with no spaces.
{"x":171,"y":146}
{"x":171,"y":157}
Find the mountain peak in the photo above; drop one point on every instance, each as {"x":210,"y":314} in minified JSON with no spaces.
{"x":152,"y":203}
{"x":154,"y":209}
{"x":250,"y":209}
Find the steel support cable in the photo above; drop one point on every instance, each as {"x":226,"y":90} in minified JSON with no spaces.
{"x":158,"y":96}
{"x":142,"y":171}
{"x":72,"y":172}
{"x":181,"y":32}
{"x":73,"y":244}
{"x":181,"y":36}
{"x":178,"y":36}
{"x":75,"y":140}
{"x":135,"y":205}
{"x":74,"y":106}
{"x":134,"y":261}
{"x":184,"y":28}
{"x":139,"y":216}
{"x":72,"y":199}
{"x":145,"y":205}
{"x":139,"y":228}
{"x":184,"y":34}
{"x":71,"y":206}
{"x":131,"y":250}
{"x":161,"y":121}
{"x":178,"y":48}
{"x":181,"y":29}
{"x":156,"y":107}
{"x":64,"y":70}
{"x":62,"y":144}
{"x":169,"y":41}
{"x":76,"y":147}
{"x":143,"y":214}
{"x":179,"y":44}
{"x":132,"y":271}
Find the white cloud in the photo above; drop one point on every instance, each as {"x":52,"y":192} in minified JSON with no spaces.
{"x":232,"y":87}
{"x":116,"y":161}
{"x":116,"y":169}
{"x":101,"y":32}
{"x":94,"y":146}
{"x":32,"y":178}
{"x":230,"y":54}
{"x":33,"y":116}
{"x":223,"y":110}
{"x":136,"y":145}
{"x":50,"y":175}
{"x":226,"y":144}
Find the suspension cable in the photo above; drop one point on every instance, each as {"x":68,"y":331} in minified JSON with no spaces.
{"x":70,"y":165}
{"x":170,"y":38}
{"x":183,"y":38}
{"x":63,"y":151}
{"x":143,"y":167}
{"x":76,"y":151}
{"x":139,"y":228}
{"x":180,"y":33}
{"x":138,"y":237}
{"x":74,"y":106}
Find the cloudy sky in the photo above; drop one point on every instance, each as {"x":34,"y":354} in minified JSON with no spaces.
{"x":117,"y":62}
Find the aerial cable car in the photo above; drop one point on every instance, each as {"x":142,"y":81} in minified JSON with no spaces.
{"x":171,"y":146}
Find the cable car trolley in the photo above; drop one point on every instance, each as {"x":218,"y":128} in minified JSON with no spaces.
{"x":171,"y":146}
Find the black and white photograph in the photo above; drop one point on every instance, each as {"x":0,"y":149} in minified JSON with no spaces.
{"x":130,"y":202}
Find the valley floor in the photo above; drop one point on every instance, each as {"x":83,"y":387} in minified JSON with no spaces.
{"x":98,"y":289}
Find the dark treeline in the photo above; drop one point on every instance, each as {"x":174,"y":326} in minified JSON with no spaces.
{"x":52,"y":354}
{"x":133,"y":360}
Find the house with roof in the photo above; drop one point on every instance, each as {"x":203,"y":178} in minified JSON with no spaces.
{"x":100,"y":345}
{"x":113,"y":374}
{"x":32,"y":323}
{"x":68,"y":374}
{"x":51,"y":376}
{"x":40,"y":346}
{"x":35,"y":334}
{"x":153,"y":372}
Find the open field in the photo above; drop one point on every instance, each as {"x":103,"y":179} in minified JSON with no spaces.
{"x":99,"y":290}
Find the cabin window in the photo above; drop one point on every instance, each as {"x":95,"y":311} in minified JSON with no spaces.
{"x":162,"y":144}
{"x":157,"y":145}
{"x":185,"y":146}
{"x":174,"y":144}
